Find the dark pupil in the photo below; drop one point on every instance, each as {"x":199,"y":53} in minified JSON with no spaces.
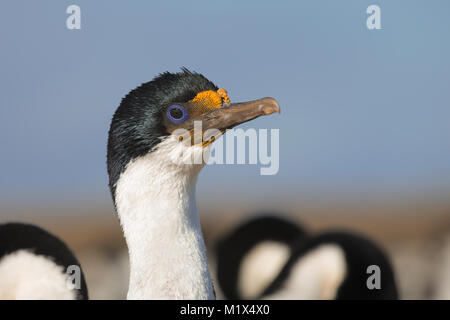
{"x":176,"y":113}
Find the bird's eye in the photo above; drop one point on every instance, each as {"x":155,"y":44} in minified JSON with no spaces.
{"x":177,"y":113}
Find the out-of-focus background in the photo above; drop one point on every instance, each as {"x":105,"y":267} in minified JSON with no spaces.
{"x":364,"y":128}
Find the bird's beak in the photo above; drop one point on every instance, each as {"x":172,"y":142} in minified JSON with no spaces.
{"x":217,"y":121}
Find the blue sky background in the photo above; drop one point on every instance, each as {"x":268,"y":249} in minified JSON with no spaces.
{"x":364,"y":113}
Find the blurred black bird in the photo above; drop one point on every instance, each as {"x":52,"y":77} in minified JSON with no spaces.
{"x":328,"y":265}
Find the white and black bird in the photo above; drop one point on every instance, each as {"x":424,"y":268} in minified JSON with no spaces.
{"x":36,"y":265}
{"x":253,"y":254}
{"x":153,"y":157}
{"x":328,"y":265}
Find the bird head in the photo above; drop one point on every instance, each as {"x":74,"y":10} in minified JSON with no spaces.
{"x":179,"y":113}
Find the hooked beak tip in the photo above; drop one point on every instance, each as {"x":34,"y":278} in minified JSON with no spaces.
{"x":269,"y":105}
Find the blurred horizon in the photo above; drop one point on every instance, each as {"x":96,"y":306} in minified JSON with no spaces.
{"x":364,"y":113}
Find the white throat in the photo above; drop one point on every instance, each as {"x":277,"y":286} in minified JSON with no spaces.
{"x":155,"y":200}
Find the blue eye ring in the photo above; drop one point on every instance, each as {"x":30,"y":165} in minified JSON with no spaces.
{"x":177,"y":113}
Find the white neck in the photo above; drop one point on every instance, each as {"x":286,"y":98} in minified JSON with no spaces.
{"x":155,"y":200}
